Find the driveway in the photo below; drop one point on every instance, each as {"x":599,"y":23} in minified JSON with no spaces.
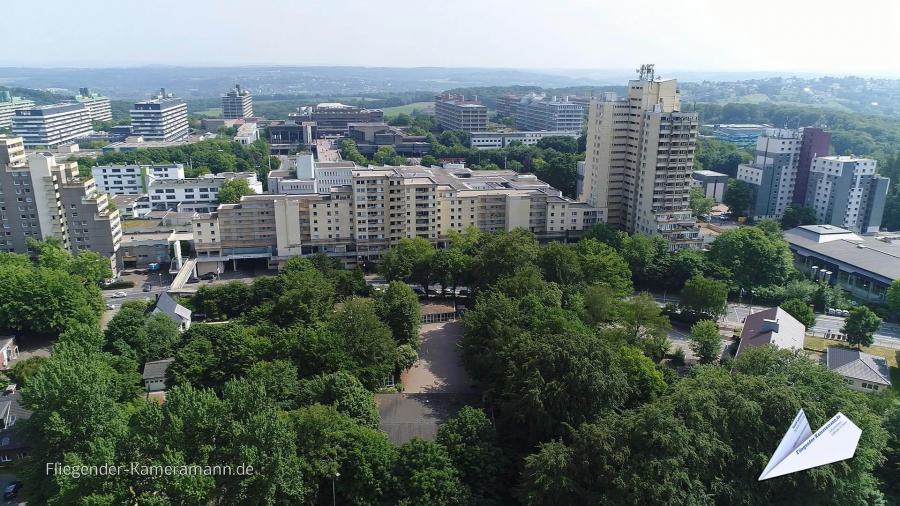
{"x":438,"y":369}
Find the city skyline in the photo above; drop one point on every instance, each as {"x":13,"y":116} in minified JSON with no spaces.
{"x":566,"y":36}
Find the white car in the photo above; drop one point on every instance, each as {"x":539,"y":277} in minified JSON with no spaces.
{"x":111,"y":306}
{"x":119,"y":295}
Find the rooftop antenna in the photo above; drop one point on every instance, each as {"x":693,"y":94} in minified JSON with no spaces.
{"x":646,"y":72}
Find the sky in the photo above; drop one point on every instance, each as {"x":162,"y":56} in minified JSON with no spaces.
{"x":837,"y":37}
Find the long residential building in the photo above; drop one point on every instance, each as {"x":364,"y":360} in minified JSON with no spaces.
{"x":845,"y":191}
{"x":497,"y":140}
{"x":357,"y":222}
{"x":640,"y":156}
{"x":99,"y":107}
{"x":537,"y":112}
{"x":41,"y":198}
{"x":456,"y":112}
{"x":163,"y":118}
{"x":9,"y":105}
{"x":52,"y":125}
{"x":237,"y":103}
{"x":133,"y":179}
{"x":780,"y":172}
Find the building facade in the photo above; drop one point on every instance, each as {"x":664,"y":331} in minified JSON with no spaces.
{"x":845,"y":191}
{"x":99,"y":107}
{"x":357,"y":222}
{"x":9,"y":105}
{"x":537,"y":113}
{"x":369,"y":137}
{"x":196,"y":194}
{"x":303,"y":175}
{"x":713,"y":183}
{"x":497,"y":140}
{"x":237,"y":103}
{"x":332,"y":118}
{"x":640,"y":156}
{"x":163,"y":118}
{"x":42,"y":198}
{"x":455,"y":112}
{"x":52,"y":125}
{"x":133,"y":179}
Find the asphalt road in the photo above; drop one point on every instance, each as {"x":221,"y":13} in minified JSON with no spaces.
{"x":888,"y":335}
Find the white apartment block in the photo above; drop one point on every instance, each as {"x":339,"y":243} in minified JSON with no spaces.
{"x":163,"y":118}
{"x":42,"y":198}
{"x":303,"y":175}
{"x":9,"y":105}
{"x":196,"y":194}
{"x":247,"y":133}
{"x":52,"y":125}
{"x":773,"y":173}
{"x":357,"y":222}
{"x":133,"y":179}
{"x":846,"y":191}
{"x":497,"y":140}
{"x":640,"y":156}
{"x":99,"y":107}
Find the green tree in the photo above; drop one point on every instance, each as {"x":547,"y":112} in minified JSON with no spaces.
{"x":426,"y":475}
{"x":547,"y":476}
{"x":860,"y":326}
{"x":893,"y":297}
{"x":90,"y":266}
{"x":504,"y":253}
{"x":742,"y":251}
{"x":409,"y":260}
{"x":278,"y":379}
{"x":700,"y":204}
{"x":601,"y":304}
{"x":800,"y":310}
{"x":156,"y":339}
{"x":738,"y":197}
{"x":345,"y":393}
{"x":795,"y":216}
{"x":471,"y":443}
{"x":600,"y":263}
{"x":704,"y":295}
{"x":233,"y":189}
{"x":642,"y":317}
{"x":398,"y":307}
{"x":705,"y":340}
{"x":560,"y":263}
{"x":23,"y":370}
{"x":451,"y":267}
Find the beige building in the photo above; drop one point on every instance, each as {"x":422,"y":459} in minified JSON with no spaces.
{"x":639,"y":160}
{"x":43,"y":198}
{"x":357,"y":222}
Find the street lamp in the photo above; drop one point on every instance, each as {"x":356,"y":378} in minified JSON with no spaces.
{"x":333,"y":495}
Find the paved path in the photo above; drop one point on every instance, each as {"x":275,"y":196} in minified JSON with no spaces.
{"x":438,"y":369}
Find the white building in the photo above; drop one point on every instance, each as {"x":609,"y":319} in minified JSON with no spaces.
{"x":197,"y":194}
{"x":861,"y":372}
{"x":51,"y":125}
{"x":163,"y":118}
{"x":773,"y":173}
{"x":9,"y":105}
{"x":237,"y":103}
{"x":133,"y":179}
{"x":497,"y":140}
{"x":98,"y":106}
{"x":846,"y":191}
{"x":304,"y":175}
{"x":247,"y":133}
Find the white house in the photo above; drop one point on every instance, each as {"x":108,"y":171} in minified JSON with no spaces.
{"x":155,"y":374}
{"x":167,"y":305}
{"x":862,"y":372}
{"x":773,"y":326}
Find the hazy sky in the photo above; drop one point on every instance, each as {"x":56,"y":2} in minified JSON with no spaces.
{"x":832,"y":36}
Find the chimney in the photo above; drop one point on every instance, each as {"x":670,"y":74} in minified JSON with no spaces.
{"x":768,"y":326}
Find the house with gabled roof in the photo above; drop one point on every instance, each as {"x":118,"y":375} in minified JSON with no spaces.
{"x":167,"y":305}
{"x":773,"y":327}
{"x":861,"y":371}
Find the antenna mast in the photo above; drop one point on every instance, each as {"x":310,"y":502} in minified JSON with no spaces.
{"x":646,"y":72}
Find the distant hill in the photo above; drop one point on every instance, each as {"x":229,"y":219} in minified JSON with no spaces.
{"x":40,"y":97}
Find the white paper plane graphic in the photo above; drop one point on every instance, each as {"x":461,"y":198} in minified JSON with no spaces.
{"x":801,"y":449}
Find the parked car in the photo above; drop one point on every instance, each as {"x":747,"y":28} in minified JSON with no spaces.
{"x":12,"y":490}
{"x":111,"y":306}
{"x":209,"y":276}
{"x":419,"y":291}
{"x":119,"y":295}
{"x":463,"y":292}
{"x":148,"y":287}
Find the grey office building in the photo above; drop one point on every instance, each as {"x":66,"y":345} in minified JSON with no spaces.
{"x":52,"y":125}
{"x":846,"y":191}
{"x":237,"y":104}
{"x":163,"y":118}
{"x":535,"y":113}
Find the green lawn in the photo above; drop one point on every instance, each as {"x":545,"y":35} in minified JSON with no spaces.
{"x":408,"y":108}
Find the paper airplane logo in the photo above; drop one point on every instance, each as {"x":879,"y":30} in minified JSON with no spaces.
{"x":801,"y":449}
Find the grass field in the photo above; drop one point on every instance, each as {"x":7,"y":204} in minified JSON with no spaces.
{"x":408,"y":108}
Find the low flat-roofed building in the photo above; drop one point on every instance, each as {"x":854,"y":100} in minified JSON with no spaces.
{"x":369,"y":137}
{"x":497,"y":140}
{"x":774,"y":327}
{"x":862,"y":372}
{"x":864,"y":266}
{"x":713,"y":183}
{"x":154,"y":375}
